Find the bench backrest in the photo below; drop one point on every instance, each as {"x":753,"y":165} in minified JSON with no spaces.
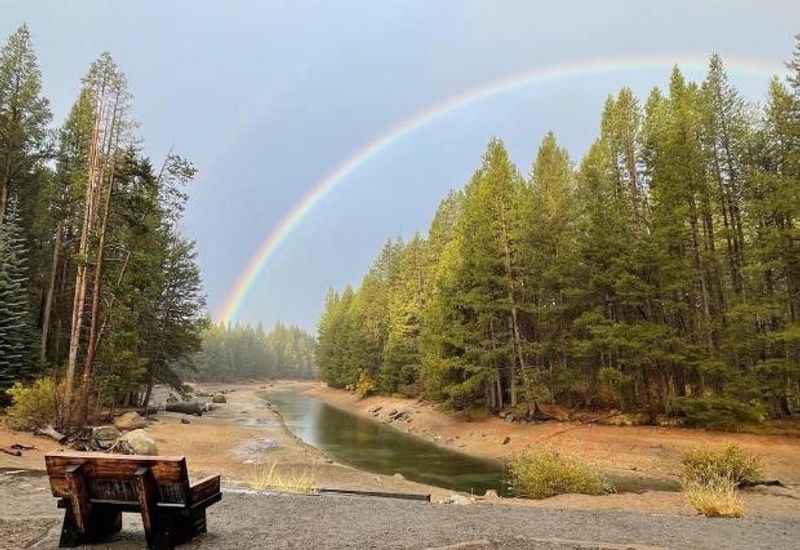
{"x":111,"y":477}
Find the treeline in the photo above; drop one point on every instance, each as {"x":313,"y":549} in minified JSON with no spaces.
{"x":241,"y":352}
{"x":660,"y":274}
{"x":98,"y":289}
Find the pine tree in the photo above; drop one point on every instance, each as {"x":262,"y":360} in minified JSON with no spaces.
{"x":15,"y":329}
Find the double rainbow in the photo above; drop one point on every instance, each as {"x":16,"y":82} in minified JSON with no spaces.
{"x":321,"y":188}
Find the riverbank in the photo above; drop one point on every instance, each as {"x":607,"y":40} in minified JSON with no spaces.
{"x":651,"y":455}
{"x":239,"y":439}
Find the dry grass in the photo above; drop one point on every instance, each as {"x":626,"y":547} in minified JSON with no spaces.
{"x":731,"y":462}
{"x":293,"y":480}
{"x":544,"y":473}
{"x":715,"y":497}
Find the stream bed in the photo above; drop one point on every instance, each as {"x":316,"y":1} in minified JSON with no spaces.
{"x":376,"y":447}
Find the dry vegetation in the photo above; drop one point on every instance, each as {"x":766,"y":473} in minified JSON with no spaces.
{"x":291,"y":480}
{"x":543,"y":473}
{"x":711,"y":479}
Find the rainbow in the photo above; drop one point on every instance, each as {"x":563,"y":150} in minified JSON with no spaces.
{"x":321,"y":188}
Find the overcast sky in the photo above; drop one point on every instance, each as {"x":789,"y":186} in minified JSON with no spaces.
{"x":268,"y":97}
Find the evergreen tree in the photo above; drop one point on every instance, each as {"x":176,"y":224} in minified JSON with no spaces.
{"x":15,"y":330}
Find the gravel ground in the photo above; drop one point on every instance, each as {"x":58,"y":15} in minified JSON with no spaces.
{"x":243,"y":521}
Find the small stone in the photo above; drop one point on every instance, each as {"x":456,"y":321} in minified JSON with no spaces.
{"x":398,"y":475}
{"x":491,"y":494}
{"x":219,"y":398}
{"x":461,"y":500}
{"x":506,"y":440}
{"x":509,"y":418}
{"x":185,"y":421}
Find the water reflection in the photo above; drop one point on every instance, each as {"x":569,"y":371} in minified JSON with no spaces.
{"x":375,"y":447}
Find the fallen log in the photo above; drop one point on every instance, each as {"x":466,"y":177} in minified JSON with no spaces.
{"x":21,"y":447}
{"x":52,"y":433}
{"x":10,"y":452}
{"x":756,"y":482}
{"x":187,"y":407}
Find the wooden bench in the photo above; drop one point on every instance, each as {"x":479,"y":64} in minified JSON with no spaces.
{"x":95,"y":489}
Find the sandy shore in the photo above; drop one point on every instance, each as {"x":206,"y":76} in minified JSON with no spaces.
{"x":244,"y":434}
{"x":235,"y":439}
{"x":650,"y":453}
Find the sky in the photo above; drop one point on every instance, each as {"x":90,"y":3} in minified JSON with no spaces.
{"x":268,"y":98}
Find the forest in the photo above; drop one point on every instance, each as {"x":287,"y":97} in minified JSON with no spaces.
{"x":100,"y":294}
{"x":659,"y":274}
{"x":241,"y":352}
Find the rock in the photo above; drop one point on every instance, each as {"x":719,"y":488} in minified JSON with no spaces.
{"x":104,"y":437}
{"x":219,"y":398}
{"x":171,"y":400}
{"x":491,"y":494}
{"x":506,"y":440}
{"x":138,"y":442}
{"x":188,"y":407}
{"x":398,"y":475}
{"x":392,"y":413}
{"x":461,"y":500}
{"x":503,"y":414}
{"x":509,"y":418}
{"x":185,"y":421}
{"x":130,"y":421}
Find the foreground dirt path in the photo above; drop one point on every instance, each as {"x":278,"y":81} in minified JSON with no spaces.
{"x":243,"y":521}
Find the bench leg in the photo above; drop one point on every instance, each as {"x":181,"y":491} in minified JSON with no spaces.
{"x":105,"y":522}
{"x":71,"y":535}
{"x":186,"y":527}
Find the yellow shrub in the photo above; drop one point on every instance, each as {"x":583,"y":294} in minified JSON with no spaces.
{"x":34,"y":405}
{"x":366,"y":385}
{"x":732,"y":462}
{"x":545,"y":473}
{"x":715,"y":497}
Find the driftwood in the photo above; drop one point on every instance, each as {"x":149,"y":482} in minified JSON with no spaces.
{"x":21,"y":447}
{"x":756,"y":482}
{"x":52,"y":433}
{"x":10,"y":452}
{"x":187,"y":407}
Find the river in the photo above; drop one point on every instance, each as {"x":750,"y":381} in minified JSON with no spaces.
{"x":376,"y":447}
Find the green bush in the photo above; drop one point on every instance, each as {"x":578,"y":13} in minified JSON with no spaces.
{"x":34,"y":405}
{"x":544,"y":473}
{"x":706,"y":467}
{"x":719,"y":412}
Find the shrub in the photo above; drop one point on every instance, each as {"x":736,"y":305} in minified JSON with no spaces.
{"x":719,"y":412}
{"x":366,"y":385}
{"x":34,"y":405}
{"x":715,"y":497}
{"x":705,"y":466}
{"x":545,"y":473}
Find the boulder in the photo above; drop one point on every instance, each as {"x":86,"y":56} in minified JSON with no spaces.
{"x":219,"y":398}
{"x":137,"y":442}
{"x":188,"y":407}
{"x":491,"y":494}
{"x":130,"y":421}
{"x":104,"y":437}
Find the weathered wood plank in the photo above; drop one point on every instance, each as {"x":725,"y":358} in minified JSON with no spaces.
{"x":147,"y":492}
{"x":205,"y":488}
{"x":78,"y":496}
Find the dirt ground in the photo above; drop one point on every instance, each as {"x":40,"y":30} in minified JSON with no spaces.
{"x":244,"y":433}
{"x":236,"y":439}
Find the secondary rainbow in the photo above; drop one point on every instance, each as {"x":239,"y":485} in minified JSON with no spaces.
{"x":321,"y":188}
